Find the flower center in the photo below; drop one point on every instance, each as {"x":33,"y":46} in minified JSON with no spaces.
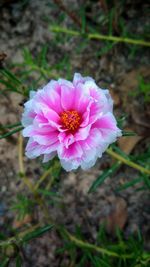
{"x":71,"y":119}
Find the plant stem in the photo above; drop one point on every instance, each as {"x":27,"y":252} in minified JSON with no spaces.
{"x":11,"y":132}
{"x":17,"y":239}
{"x":9,"y":126}
{"x":42,"y":178}
{"x":21,"y":166}
{"x":84,"y":244}
{"x":45,"y":209}
{"x":27,"y":182}
{"x":51,"y":171}
{"x":127,"y":161}
{"x":101,"y":36}
{"x":40,"y":201}
{"x":118,"y":39}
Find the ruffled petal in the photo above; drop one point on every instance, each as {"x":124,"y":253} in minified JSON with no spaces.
{"x":69,"y":165}
{"x":67,"y":97}
{"x":79,"y":79}
{"x":107,"y":126}
{"x":72,"y":152}
{"x":66,"y":138}
{"x":48,"y":157}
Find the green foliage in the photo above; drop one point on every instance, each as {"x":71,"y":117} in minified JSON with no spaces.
{"x":23,"y":205}
{"x":18,"y":261}
{"x":7,"y":134}
{"x":106,"y":173}
{"x":11,"y":82}
{"x":4,"y":129}
{"x":143,"y":90}
{"x":123,"y":252}
{"x":4,"y":262}
{"x":36,"y":233}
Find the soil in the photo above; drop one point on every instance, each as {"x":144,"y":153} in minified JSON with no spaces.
{"x":27,"y":25}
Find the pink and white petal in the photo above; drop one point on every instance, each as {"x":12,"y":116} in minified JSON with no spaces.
{"x":110,"y":136}
{"x":52,"y":96}
{"x":95,"y":112}
{"x":53,"y":147}
{"x":107,"y":121}
{"x":32,"y":93}
{"x":43,"y":129}
{"x":28,"y":117}
{"x":47,"y":99}
{"x":48,"y":157}
{"x":52,"y":117}
{"x":92,"y":141}
{"x":107,"y":126}
{"x":82,"y":133}
{"x":46,"y":139}
{"x":31,"y":144}
{"x":74,"y":151}
{"x":67,"y":97}
{"x":86,"y":116}
{"x":91,"y":89}
{"x":81,"y":99}
{"x":109,"y":101}
{"x":34,"y":129}
{"x":33,"y":149}
{"x":66,"y":138}
{"x":89,"y":159}
{"x":69,"y":165}
{"x":63,"y":82}
{"x":28,"y":131}
{"x":79,"y":79}
{"x":105,"y":100}
{"x":41,"y":120}
{"x":29,"y":113}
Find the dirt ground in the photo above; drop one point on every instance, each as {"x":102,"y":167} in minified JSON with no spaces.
{"x":118,"y":71}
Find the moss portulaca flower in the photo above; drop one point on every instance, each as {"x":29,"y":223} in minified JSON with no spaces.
{"x":73,"y":120}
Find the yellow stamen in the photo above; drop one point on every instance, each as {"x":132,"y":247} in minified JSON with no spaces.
{"x":71,"y":120}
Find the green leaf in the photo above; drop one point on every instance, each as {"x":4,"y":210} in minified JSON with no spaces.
{"x":107,"y":47}
{"x":11,"y":133}
{"x":125,"y":133}
{"x":129,"y":184}
{"x":23,"y":205}
{"x":10,"y":76}
{"x":146,"y":180}
{"x":42,"y":56}
{"x":9,"y":126}
{"x":49,"y":193}
{"x":83,"y":20}
{"x":103,"y":176}
{"x":27,"y":56}
{"x":4,"y":262}
{"x":18,"y":261}
{"x":38,"y":232}
{"x":111,"y":17}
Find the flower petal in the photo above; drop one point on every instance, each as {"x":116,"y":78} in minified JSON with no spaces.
{"x":67,"y":97}
{"x":48,"y":157}
{"x":107,"y":126}
{"x":66,"y":138}
{"x":72,"y":152}
{"x":79,"y":79}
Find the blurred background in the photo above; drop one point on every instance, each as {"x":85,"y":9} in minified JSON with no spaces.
{"x":43,"y":40}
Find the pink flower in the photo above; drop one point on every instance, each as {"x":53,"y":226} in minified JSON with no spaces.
{"x":73,"y":120}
